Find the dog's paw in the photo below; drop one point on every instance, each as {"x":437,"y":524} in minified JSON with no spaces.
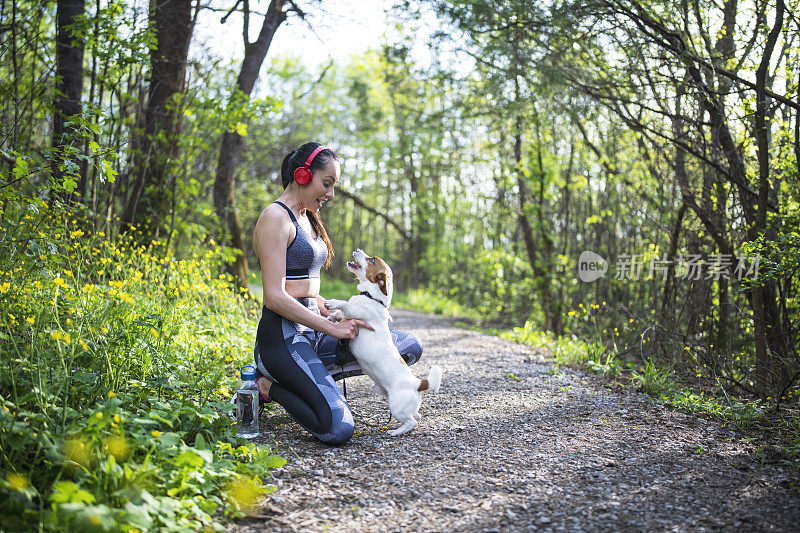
{"x":405,"y":427}
{"x":336,"y":315}
{"x":333,"y":304}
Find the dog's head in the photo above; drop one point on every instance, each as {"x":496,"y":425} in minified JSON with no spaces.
{"x":374,"y":275}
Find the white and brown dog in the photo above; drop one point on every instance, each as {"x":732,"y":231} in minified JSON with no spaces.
{"x":374,"y":350}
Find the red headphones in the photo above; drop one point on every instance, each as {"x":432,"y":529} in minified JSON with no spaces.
{"x":302,"y":174}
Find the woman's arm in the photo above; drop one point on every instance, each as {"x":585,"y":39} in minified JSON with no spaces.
{"x":271,"y":237}
{"x":321,"y":306}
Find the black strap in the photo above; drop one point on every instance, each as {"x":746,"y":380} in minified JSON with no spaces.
{"x":296,"y":273}
{"x":368,"y":295}
{"x":287,"y":210}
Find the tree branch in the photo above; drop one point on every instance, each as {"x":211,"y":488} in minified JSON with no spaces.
{"x":359,"y":202}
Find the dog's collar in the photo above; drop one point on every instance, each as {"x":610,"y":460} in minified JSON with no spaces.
{"x":371,"y":297}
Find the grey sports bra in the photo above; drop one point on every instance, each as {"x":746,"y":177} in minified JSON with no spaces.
{"x":304,"y":256}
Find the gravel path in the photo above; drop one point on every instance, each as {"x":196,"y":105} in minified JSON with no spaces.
{"x":511,"y":444}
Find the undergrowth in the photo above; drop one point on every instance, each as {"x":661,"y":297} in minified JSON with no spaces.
{"x":116,"y":366}
{"x":658,"y":380}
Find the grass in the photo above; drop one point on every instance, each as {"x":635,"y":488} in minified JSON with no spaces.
{"x":653,"y":380}
{"x":116,"y":366}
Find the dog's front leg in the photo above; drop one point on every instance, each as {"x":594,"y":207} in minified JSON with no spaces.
{"x":332,"y":305}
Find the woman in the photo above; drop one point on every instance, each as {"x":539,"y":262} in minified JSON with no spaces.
{"x":297,"y":347}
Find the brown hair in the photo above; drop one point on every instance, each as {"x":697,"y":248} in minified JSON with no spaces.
{"x":296,"y":159}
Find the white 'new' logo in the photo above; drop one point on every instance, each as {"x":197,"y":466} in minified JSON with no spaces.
{"x":591,"y":266}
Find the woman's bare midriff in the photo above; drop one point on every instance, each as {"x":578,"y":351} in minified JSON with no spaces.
{"x":303,"y":288}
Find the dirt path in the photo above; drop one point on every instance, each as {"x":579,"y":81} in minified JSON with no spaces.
{"x":511,"y":445}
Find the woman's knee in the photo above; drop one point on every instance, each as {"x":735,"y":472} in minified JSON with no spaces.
{"x":340,"y":433}
{"x":412,"y":349}
{"x":338,"y":418}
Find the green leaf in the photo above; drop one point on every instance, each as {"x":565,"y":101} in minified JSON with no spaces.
{"x":189,"y":458}
{"x":69,"y":492}
{"x":274,"y":461}
{"x":108,"y":171}
{"x":241,"y":129}
{"x":20,"y":168}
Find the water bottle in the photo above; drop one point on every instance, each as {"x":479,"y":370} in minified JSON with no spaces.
{"x":247,"y":404}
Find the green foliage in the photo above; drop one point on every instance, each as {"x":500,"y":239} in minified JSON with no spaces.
{"x":427,"y":301}
{"x":652,"y":380}
{"x":740,"y":413}
{"x":649,"y":378}
{"x":117,"y":363}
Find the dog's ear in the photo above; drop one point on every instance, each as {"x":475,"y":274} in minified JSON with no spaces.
{"x":380,"y":279}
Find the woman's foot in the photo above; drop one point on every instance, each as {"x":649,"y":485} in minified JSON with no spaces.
{"x":264,"y":385}
{"x":263,"y":391}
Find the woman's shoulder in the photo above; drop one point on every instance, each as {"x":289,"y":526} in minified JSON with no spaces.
{"x":274,"y":217}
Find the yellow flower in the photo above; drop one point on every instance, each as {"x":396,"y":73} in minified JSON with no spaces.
{"x":223,"y":391}
{"x":56,"y":335}
{"x":30,"y":320}
{"x":111,"y":395}
{"x":156,"y":433}
{"x":17,"y":482}
{"x":77,"y":450}
{"x":83,"y":344}
{"x":4,"y":287}
{"x":98,"y":415}
{"x":245,"y":493}
{"x":67,"y":338}
{"x":59,"y":282}
{"x":118,"y":447}
{"x":117,"y":419}
{"x":125,"y":297}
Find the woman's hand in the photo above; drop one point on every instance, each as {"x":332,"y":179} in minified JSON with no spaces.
{"x":348,"y":329}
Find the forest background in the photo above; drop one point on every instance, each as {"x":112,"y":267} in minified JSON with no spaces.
{"x":485,"y":146}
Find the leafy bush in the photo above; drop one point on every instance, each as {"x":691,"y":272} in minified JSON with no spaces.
{"x":116,"y":365}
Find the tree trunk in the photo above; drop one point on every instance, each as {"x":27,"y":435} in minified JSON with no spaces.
{"x":768,"y":328}
{"x":232,"y":142}
{"x":150,"y":197}
{"x":69,"y":86}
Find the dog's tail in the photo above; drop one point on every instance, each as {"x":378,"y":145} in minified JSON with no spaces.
{"x":433,"y":381}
